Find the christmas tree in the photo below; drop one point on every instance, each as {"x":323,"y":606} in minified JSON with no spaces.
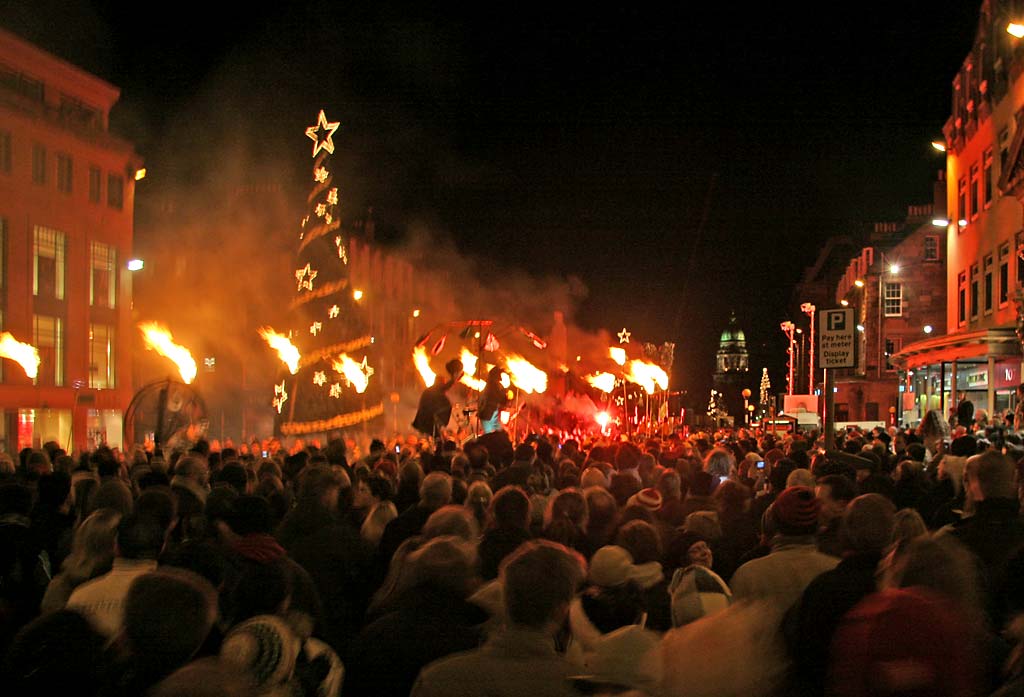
{"x":329,"y":383}
{"x":716,"y":405}
{"x":763,"y":395}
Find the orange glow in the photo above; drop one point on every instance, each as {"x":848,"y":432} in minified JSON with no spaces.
{"x":422,"y":363}
{"x":353,"y":372}
{"x":602,"y":419}
{"x":160,"y":340}
{"x":473,"y":383}
{"x":505,"y":417}
{"x":602,"y":381}
{"x":618,"y":354}
{"x":468,"y":362}
{"x":1015,"y":29}
{"x":525,"y":375}
{"x":648,"y":375}
{"x":24,"y":355}
{"x":286,"y":350}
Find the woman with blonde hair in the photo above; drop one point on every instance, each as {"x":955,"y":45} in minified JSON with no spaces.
{"x":92,"y":555}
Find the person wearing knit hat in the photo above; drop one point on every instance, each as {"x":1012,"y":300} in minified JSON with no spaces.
{"x":782,"y":576}
{"x":266,"y":649}
{"x":648,"y":498}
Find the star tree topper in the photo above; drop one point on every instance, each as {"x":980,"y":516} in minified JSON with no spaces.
{"x":624,"y":336}
{"x":305,"y":277}
{"x":321,"y":134}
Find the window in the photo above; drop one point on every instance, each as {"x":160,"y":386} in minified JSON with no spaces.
{"x":5,"y":152}
{"x":987,"y":178}
{"x":101,"y":357}
{"x":1020,"y":258}
{"x":893,"y":297}
{"x":48,"y":264}
{"x":63,"y":173}
{"x":892,"y":347}
{"x":931,"y":248}
{"x":1004,"y":149}
{"x":115,"y":191}
{"x":961,"y":294}
{"x":95,"y":179}
{"x":962,"y":199}
{"x":1004,"y":274}
{"x":988,"y":284}
{"x":975,"y":185}
{"x":102,"y":281}
{"x":974,"y":291}
{"x":38,"y":164}
{"x":48,"y":336}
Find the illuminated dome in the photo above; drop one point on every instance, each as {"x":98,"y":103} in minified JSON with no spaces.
{"x":732,"y":355}
{"x":732,"y":333}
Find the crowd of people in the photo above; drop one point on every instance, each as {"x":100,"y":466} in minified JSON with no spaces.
{"x":734,"y":562}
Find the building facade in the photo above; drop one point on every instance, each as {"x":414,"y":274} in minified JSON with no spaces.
{"x":979,"y":356}
{"x":67,"y":191}
{"x":896,"y":286}
{"x":732,"y":368}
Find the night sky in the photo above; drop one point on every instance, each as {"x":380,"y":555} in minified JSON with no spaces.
{"x":683,"y":163}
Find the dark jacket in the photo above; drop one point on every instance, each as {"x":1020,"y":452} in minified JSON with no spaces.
{"x":340,"y":565}
{"x":810,"y":624}
{"x":406,"y":525}
{"x":496,"y":544}
{"x":517,"y":474}
{"x":429,"y":623}
{"x":994,"y":534}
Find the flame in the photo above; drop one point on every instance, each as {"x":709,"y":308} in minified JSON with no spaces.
{"x":160,"y":340}
{"x":525,"y":375}
{"x":473,"y":383}
{"x":468,"y":362}
{"x":618,"y":354}
{"x":648,"y":375}
{"x":24,"y":355}
{"x":602,"y":381}
{"x":285,"y":349}
{"x":353,"y":372}
{"x":422,"y":363}
{"x":602,"y":419}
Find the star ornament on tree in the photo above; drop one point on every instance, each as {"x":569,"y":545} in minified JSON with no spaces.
{"x":367,"y":369}
{"x":280,"y":397}
{"x":624,"y":336}
{"x":336,"y":390}
{"x":305,"y":277}
{"x":315,"y":328}
{"x":334,"y":311}
{"x":319,"y":378}
{"x":321,"y":134}
{"x":320,"y":174}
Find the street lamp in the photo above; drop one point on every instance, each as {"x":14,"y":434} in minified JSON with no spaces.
{"x":809,"y":309}
{"x":746,"y":404}
{"x":788,"y":328}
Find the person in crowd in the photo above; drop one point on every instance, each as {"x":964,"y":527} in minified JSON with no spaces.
{"x":507,"y":529}
{"x":432,"y":619}
{"x":58,"y":653}
{"x":865,"y":534}
{"x":794,"y":561}
{"x":377,"y":492}
{"x":835,"y":492}
{"x":435,"y":492}
{"x":138,"y":545}
{"x":539,"y":582}
{"x":92,"y":555}
{"x":190,"y":486}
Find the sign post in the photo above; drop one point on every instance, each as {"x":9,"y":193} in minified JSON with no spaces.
{"x":837,"y":348}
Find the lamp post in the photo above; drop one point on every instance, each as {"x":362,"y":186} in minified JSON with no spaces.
{"x":788,"y":328}
{"x":809,"y":309}
{"x":746,"y":404}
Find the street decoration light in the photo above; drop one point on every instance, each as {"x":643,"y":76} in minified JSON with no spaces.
{"x":809,"y":309}
{"x":788,"y":329}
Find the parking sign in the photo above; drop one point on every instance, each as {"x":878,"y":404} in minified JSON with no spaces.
{"x":837,"y":338}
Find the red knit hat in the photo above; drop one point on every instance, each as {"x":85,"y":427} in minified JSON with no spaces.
{"x":796,"y":511}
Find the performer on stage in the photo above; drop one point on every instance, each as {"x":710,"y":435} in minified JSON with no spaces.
{"x":435,"y":409}
{"x":492,"y":400}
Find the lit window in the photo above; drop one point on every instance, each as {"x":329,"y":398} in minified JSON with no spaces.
{"x":102,"y":282}
{"x":931,"y":248}
{"x":961,"y":292}
{"x":1004,"y":275}
{"x":893,"y":295}
{"x":48,"y":337}
{"x":975,"y":186}
{"x":101,"y":357}
{"x":974,"y":291}
{"x":987,"y":178}
{"x":892,"y":347}
{"x":48,"y":265}
{"x":962,"y":199}
{"x":988,"y":283}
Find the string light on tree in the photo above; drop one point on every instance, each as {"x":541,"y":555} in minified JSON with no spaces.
{"x":624,"y":336}
{"x":332,"y":196}
{"x":320,"y":174}
{"x":319,"y":378}
{"x":315,"y":328}
{"x":321,"y":134}
{"x":336,"y":390}
{"x":333,"y":312}
{"x":280,"y":397}
{"x":321,"y":210}
{"x":763,"y":392}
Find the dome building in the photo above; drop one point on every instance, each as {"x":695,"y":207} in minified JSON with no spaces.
{"x":732,"y":366}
